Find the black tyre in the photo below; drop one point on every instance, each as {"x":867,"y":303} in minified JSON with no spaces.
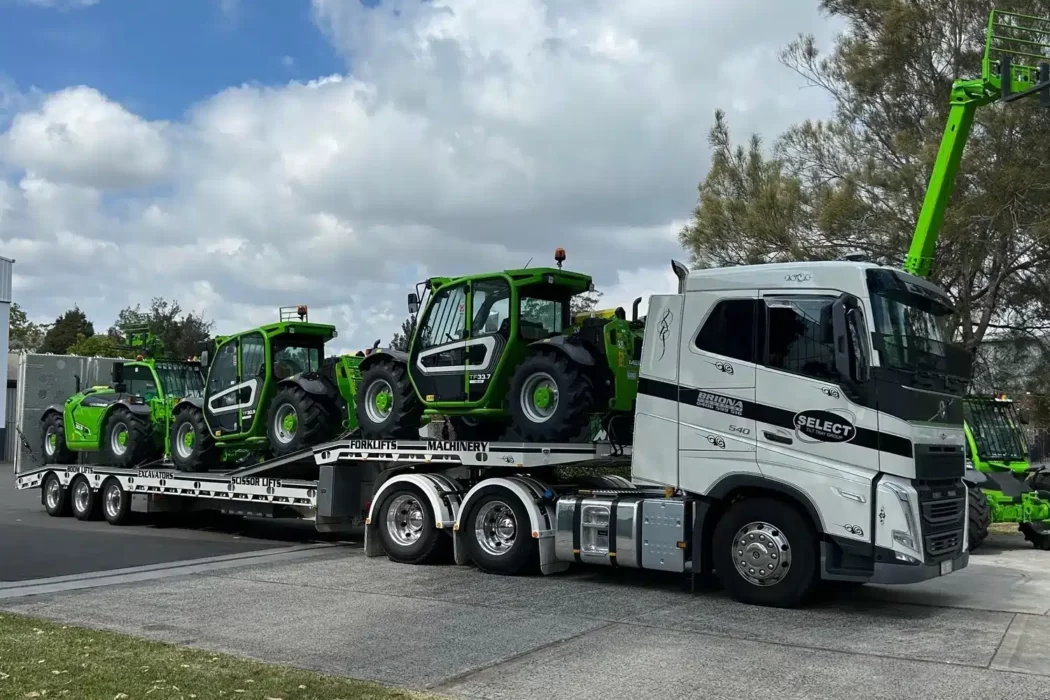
{"x":551,"y":399}
{"x":116,"y":502}
{"x":471,"y":428}
{"x":84,"y":500}
{"x":498,"y":534}
{"x":407,"y":527}
{"x":387,"y":405}
{"x":980,"y":516}
{"x":765,"y":553}
{"x":193,"y":447}
{"x":55,"y":497}
{"x":53,"y":441}
{"x":297,"y":420}
{"x":126,"y":439}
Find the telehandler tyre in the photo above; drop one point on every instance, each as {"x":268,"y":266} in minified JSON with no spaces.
{"x":54,"y":442}
{"x":297,"y":420}
{"x":192,"y":445}
{"x":980,"y":516}
{"x":387,"y":405}
{"x":550,"y":399}
{"x":125,"y":439}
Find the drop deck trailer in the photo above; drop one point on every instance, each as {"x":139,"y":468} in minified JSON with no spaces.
{"x":495,"y":504}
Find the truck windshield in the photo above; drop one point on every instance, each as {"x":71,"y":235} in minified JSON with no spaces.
{"x":996,"y":430}
{"x":180,"y":380}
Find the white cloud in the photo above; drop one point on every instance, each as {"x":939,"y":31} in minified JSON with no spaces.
{"x":470,"y":136}
{"x":60,"y":4}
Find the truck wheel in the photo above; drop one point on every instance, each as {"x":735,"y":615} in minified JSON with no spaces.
{"x":85,"y":501}
{"x":407,"y":527}
{"x":54,"y":441}
{"x":192,"y":445}
{"x":56,"y":498}
{"x":550,"y":399}
{"x":980,"y":516}
{"x":387,"y":405}
{"x":498,"y":535}
{"x":765,"y":553}
{"x":116,"y":502}
{"x":297,"y":420}
{"x":125,"y":439}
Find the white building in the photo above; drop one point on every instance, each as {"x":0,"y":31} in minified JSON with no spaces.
{"x":5,"y":322}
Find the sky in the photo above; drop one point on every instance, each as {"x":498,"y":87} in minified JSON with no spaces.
{"x":239,"y":156}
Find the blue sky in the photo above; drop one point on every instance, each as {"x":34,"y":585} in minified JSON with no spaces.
{"x":157,"y":57}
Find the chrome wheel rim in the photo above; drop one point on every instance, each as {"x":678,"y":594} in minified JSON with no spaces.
{"x":761,"y":554}
{"x":534,"y":412}
{"x":404,"y":520}
{"x":53,"y":493}
{"x":112,"y":500}
{"x":495,"y":528}
{"x":81,"y":496}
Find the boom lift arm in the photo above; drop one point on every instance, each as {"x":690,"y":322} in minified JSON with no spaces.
{"x":1016,"y":65}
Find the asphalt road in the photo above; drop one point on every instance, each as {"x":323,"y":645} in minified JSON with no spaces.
{"x":34,"y":545}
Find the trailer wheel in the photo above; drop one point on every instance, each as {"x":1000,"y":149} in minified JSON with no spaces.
{"x":192,"y":445}
{"x":116,"y":503}
{"x":125,"y":438}
{"x":765,"y":553}
{"x":550,"y":398}
{"x":85,"y":501}
{"x":980,"y":516}
{"x":56,"y":498}
{"x":498,"y":536}
{"x":387,"y":405}
{"x":296,"y":420}
{"x":54,"y":441}
{"x":407,"y":527}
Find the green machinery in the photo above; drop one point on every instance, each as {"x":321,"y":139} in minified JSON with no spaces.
{"x":269,"y":391}
{"x":998,"y":452}
{"x":500,"y":352}
{"x":128,"y":422}
{"x":1016,"y":65}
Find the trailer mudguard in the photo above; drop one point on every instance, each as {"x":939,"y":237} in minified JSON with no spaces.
{"x":435,"y":487}
{"x":577,"y":353}
{"x":383,"y":353}
{"x":532,"y":494}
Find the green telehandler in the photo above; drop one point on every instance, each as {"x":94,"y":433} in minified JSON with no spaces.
{"x":126,"y":423}
{"x":270,"y":391}
{"x":499,"y":353}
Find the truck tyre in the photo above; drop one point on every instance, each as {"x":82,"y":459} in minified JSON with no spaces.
{"x":126,"y":439}
{"x":85,"y":501}
{"x":56,"y":498}
{"x":297,"y":420}
{"x":116,"y":502}
{"x":550,"y":399}
{"x":498,"y":535}
{"x":53,"y":446}
{"x":765,"y":553}
{"x":387,"y":405}
{"x":407,"y":527}
{"x":192,"y":445}
{"x":980,"y":516}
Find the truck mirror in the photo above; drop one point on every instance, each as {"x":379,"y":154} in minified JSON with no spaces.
{"x":858,"y":349}
{"x":851,"y":360}
{"x":413,"y":303}
{"x":117,"y":373}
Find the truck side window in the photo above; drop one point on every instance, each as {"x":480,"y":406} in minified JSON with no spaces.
{"x":729,"y":330}
{"x":801,"y":337}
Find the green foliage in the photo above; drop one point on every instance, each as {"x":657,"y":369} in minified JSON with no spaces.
{"x":179,"y":332}
{"x":856,"y":181}
{"x":584,"y":302}
{"x":65,"y":331}
{"x":402,"y":340}
{"x":99,"y":346}
{"x":23,"y":334}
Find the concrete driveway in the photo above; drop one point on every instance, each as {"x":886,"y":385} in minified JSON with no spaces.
{"x":982,"y":633}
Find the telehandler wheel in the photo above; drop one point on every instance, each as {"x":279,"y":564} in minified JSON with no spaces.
{"x":125,"y":438}
{"x":192,"y":445}
{"x":980,"y":516}
{"x":56,"y":498}
{"x":387,"y":405}
{"x":297,"y":420}
{"x":550,"y":399}
{"x":54,"y":441}
{"x":407,"y":528}
{"x":765,"y":553}
{"x":471,"y":428}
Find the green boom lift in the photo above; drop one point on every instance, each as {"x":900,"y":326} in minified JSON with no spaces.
{"x":1016,"y":65}
{"x":127,"y":422}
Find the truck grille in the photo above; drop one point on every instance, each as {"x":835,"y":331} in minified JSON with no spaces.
{"x":942,"y":505}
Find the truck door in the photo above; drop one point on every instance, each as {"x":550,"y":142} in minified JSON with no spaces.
{"x":717,"y":386}
{"x":438,"y":363}
{"x":808,"y":429}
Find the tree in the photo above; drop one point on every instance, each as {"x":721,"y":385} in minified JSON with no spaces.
{"x":180,"y":333}
{"x":99,"y":346}
{"x":584,"y":302}
{"x":402,"y":340}
{"x":65,"y":331}
{"x":23,"y":334}
{"x":856,"y":182}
